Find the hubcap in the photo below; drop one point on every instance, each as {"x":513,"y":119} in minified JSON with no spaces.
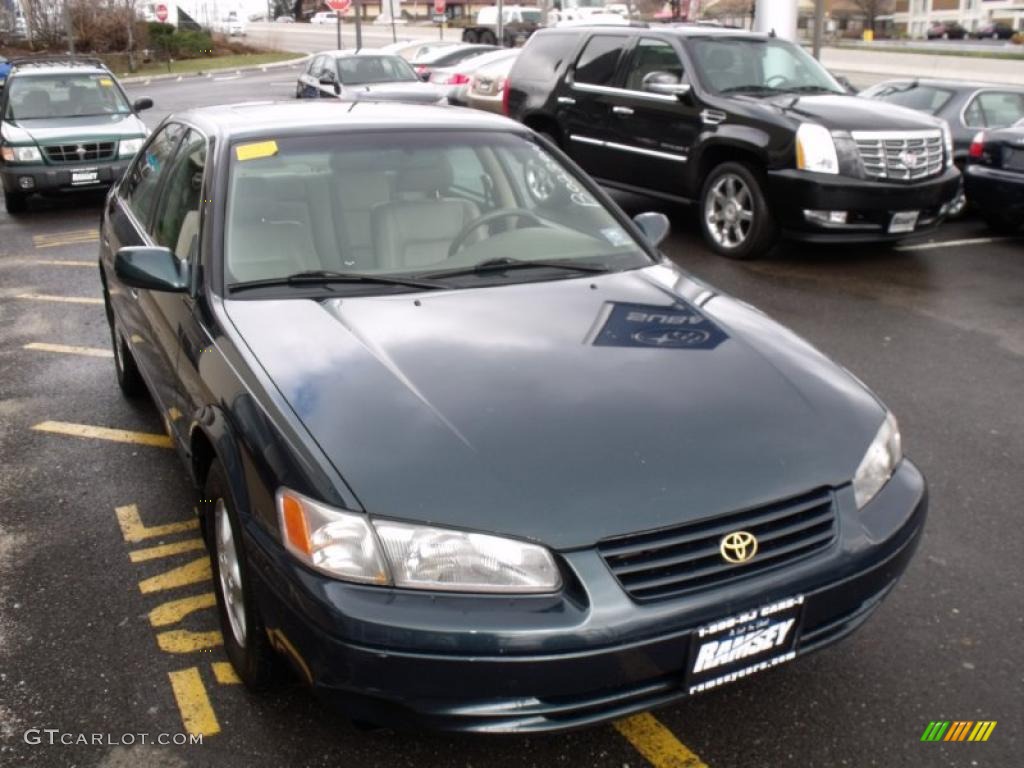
{"x":729,"y":211}
{"x":230,"y":572}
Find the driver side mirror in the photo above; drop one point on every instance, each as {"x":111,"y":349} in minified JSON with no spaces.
{"x":664,"y":84}
{"x":142,"y":104}
{"x":152,"y":269}
{"x":655,"y":226}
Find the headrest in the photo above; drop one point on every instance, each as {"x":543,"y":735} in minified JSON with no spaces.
{"x":427,"y":173}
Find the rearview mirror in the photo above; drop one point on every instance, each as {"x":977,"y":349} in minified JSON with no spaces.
{"x":142,"y":104}
{"x":655,"y":226}
{"x":152,"y":269}
{"x":664,"y":84}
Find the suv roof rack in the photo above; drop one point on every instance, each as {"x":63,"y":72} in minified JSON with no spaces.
{"x":66,"y":59}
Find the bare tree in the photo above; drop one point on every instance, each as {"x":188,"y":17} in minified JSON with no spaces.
{"x":872,"y":9}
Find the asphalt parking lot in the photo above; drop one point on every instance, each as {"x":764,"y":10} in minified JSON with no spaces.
{"x":106,"y":607}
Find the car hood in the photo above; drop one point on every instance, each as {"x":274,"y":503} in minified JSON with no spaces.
{"x":849,"y":113}
{"x":56,"y":129}
{"x":529,"y":410}
{"x":416,"y":93}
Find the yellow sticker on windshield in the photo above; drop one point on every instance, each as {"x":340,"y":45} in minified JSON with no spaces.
{"x":256,"y":151}
{"x":106,"y":82}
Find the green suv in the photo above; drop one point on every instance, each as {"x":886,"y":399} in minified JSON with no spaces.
{"x":67,"y":125}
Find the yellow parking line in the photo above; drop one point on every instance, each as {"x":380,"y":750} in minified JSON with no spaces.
{"x":656,"y":742}
{"x":64,"y":299}
{"x":174,"y":611}
{"x":134,"y":530}
{"x":166,"y":550}
{"x":66,"y":238}
{"x":66,"y":349}
{"x":197,"y":713}
{"x":224,"y":673}
{"x":104,"y":433}
{"x":190,"y":573}
{"x":185,"y":641}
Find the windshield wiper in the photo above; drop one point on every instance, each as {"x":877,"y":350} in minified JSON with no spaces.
{"x":505,"y":264}
{"x":325,"y":276}
{"x":811,"y":89}
{"x":751,"y":88}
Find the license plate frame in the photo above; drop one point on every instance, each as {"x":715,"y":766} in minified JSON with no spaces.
{"x":903,"y":221}
{"x":744,"y":644}
{"x":85,"y":176}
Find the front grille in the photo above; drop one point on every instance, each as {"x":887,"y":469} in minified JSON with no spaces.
{"x":665,"y":563}
{"x":80,"y":153}
{"x":903,"y":156}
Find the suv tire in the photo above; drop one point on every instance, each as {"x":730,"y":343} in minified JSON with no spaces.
{"x":487,"y":38}
{"x":734,"y":214}
{"x":15,"y":202}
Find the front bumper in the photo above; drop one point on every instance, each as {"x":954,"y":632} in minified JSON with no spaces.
{"x":995,"y":189}
{"x":59,"y":178}
{"x":584,"y":656}
{"x":870,"y":204}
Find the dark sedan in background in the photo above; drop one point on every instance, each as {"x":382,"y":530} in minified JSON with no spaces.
{"x":365,"y":75}
{"x":427,"y":376}
{"x":994,"y":177}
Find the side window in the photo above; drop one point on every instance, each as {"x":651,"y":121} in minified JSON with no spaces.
{"x":177,"y":218}
{"x":994,"y":109}
{"x":543,"y":55}
{"x":649,"y":56}
{"x":144,"y":177}
{"x":598,"y":60}
{"x":469,"y":177}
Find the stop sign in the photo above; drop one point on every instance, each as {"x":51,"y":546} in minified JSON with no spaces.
{"x":339,"y":5}
{"x":161,"y":12}
{"x":439,"y":6}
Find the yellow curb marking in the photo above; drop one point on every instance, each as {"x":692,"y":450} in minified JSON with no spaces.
{"x":656,"y":742}
{"x":224,"y":673}
{"x":191,"y":573}
{"x":134,"y":530}
{"x":174,"y":611}
{"x":104,"y":433}
{"x":185,"y":641}
{"x":165,"y":550}
{"x":63,"y":299}
{"x":197,"y":713}
{"x":65,"y":349}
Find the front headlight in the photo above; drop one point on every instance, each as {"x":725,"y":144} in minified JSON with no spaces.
{"x":129,"y":147}
{"x":346,"y":545}
{"x":815,"y":149}
{"x":947,"y":143}
{"x":21,"y":155}
{"x":878,"y":464}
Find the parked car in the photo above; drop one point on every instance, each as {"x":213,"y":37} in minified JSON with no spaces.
{"x":324,"y":17}
{"x":447,"y":57}
{"x":364,"y":75}
{"x":996,"y":30}
{"x":946,"y":30}
{"x":750,"y":127}
{"x":966,"y":106}
{"x":410,"y":50}
{"x":994,"y":177}
{"x":518,"y":23}
{"x":455,"y":79}
{"x":66,"y":125}
{"x":487,"y":86}
{"x":411,"y":348}
{"x":284,"y":20}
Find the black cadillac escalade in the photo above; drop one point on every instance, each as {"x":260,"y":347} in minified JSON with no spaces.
{"x":748,"y":126}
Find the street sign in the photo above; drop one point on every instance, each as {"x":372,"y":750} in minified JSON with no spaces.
{"x":341,"y":6}
{"x":440,"y":5}
{"x":161,"y":12}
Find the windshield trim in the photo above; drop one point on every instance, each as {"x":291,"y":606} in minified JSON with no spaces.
{"x":8,"y":114}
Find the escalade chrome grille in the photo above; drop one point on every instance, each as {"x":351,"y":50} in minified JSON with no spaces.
{"x":80,"y":153}
{"x":660,"y":564}
{"x":900,"y":156}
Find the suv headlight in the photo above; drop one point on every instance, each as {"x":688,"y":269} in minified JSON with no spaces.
{"x":129,"y":147}
{"x":947,"y":143}
{"x":21,"y":155}
{"x":815,"y":149}
{"x":878,"y":464}
{"x":348,"y":546}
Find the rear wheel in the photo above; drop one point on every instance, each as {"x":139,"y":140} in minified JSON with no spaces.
{"x":734,"y":214}
{"x":487,"y":37}
{"x":15,"y":202}
{"x":469,"y":36}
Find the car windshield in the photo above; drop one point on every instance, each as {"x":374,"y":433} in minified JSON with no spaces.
{"x":731,"y":65}
{"x":414,"y":205}
{"x":366,"y":70}
{"x":72,"y":95}
{"x":924,"y":98}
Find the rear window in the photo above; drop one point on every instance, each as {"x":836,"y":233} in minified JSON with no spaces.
{"x":924,"y":98}
{"x":599,"y":60}
{"x":994,"y":109}
{"x":542,"y":57}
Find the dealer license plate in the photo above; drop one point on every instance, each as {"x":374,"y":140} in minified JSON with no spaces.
{"x":85,"y":177}
{"x":742,"y":645}
{"x":904,"y":221}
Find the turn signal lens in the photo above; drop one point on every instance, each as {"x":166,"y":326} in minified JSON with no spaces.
{"x":294,"y":523}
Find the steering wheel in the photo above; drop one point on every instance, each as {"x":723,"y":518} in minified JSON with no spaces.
{"x":487,"y":218}
{"x":783,"y":80}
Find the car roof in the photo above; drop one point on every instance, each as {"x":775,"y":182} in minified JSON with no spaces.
{"x":960,"y":86}
{"x":678,"y":29}
{"x":290,"y":118}
{"x":58,"y":65}
{"x":342,"y":53}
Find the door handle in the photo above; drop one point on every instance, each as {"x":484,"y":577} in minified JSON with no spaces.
{"x":566,"y":100}
{"x":622,"y":110}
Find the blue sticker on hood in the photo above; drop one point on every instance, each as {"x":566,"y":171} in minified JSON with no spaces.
{"x":678,"y":326}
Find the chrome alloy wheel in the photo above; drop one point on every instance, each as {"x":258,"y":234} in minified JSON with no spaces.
{"x":230,"y":572}
{"x":729,"y":211}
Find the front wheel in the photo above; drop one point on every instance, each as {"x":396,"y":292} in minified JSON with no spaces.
{"x":128,"y":377}
{"x":734,"y":214}
{"x":469,"y":35}
{"x":1001,"y":223}
{"x":15,"y":202}
{"x":487,"y":38}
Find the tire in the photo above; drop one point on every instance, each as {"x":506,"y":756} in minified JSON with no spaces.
{"x":469,"y":36}
{"x":487,"y":38}
{"x":734,"y":215}
{"x":245,"y":636}
{"x":1000,"y":223}
{"x":15,"y":202}
{"x":128,"y":377}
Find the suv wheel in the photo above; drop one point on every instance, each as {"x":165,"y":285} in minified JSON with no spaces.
{"x":487,"y":37}
{"x":734,"y":215}
{"x":15,"y":202}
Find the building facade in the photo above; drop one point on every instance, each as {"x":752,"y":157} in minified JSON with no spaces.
{"x":914,"y":17}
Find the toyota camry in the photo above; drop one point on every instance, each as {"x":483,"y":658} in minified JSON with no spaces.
{"x":470,"y":453}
